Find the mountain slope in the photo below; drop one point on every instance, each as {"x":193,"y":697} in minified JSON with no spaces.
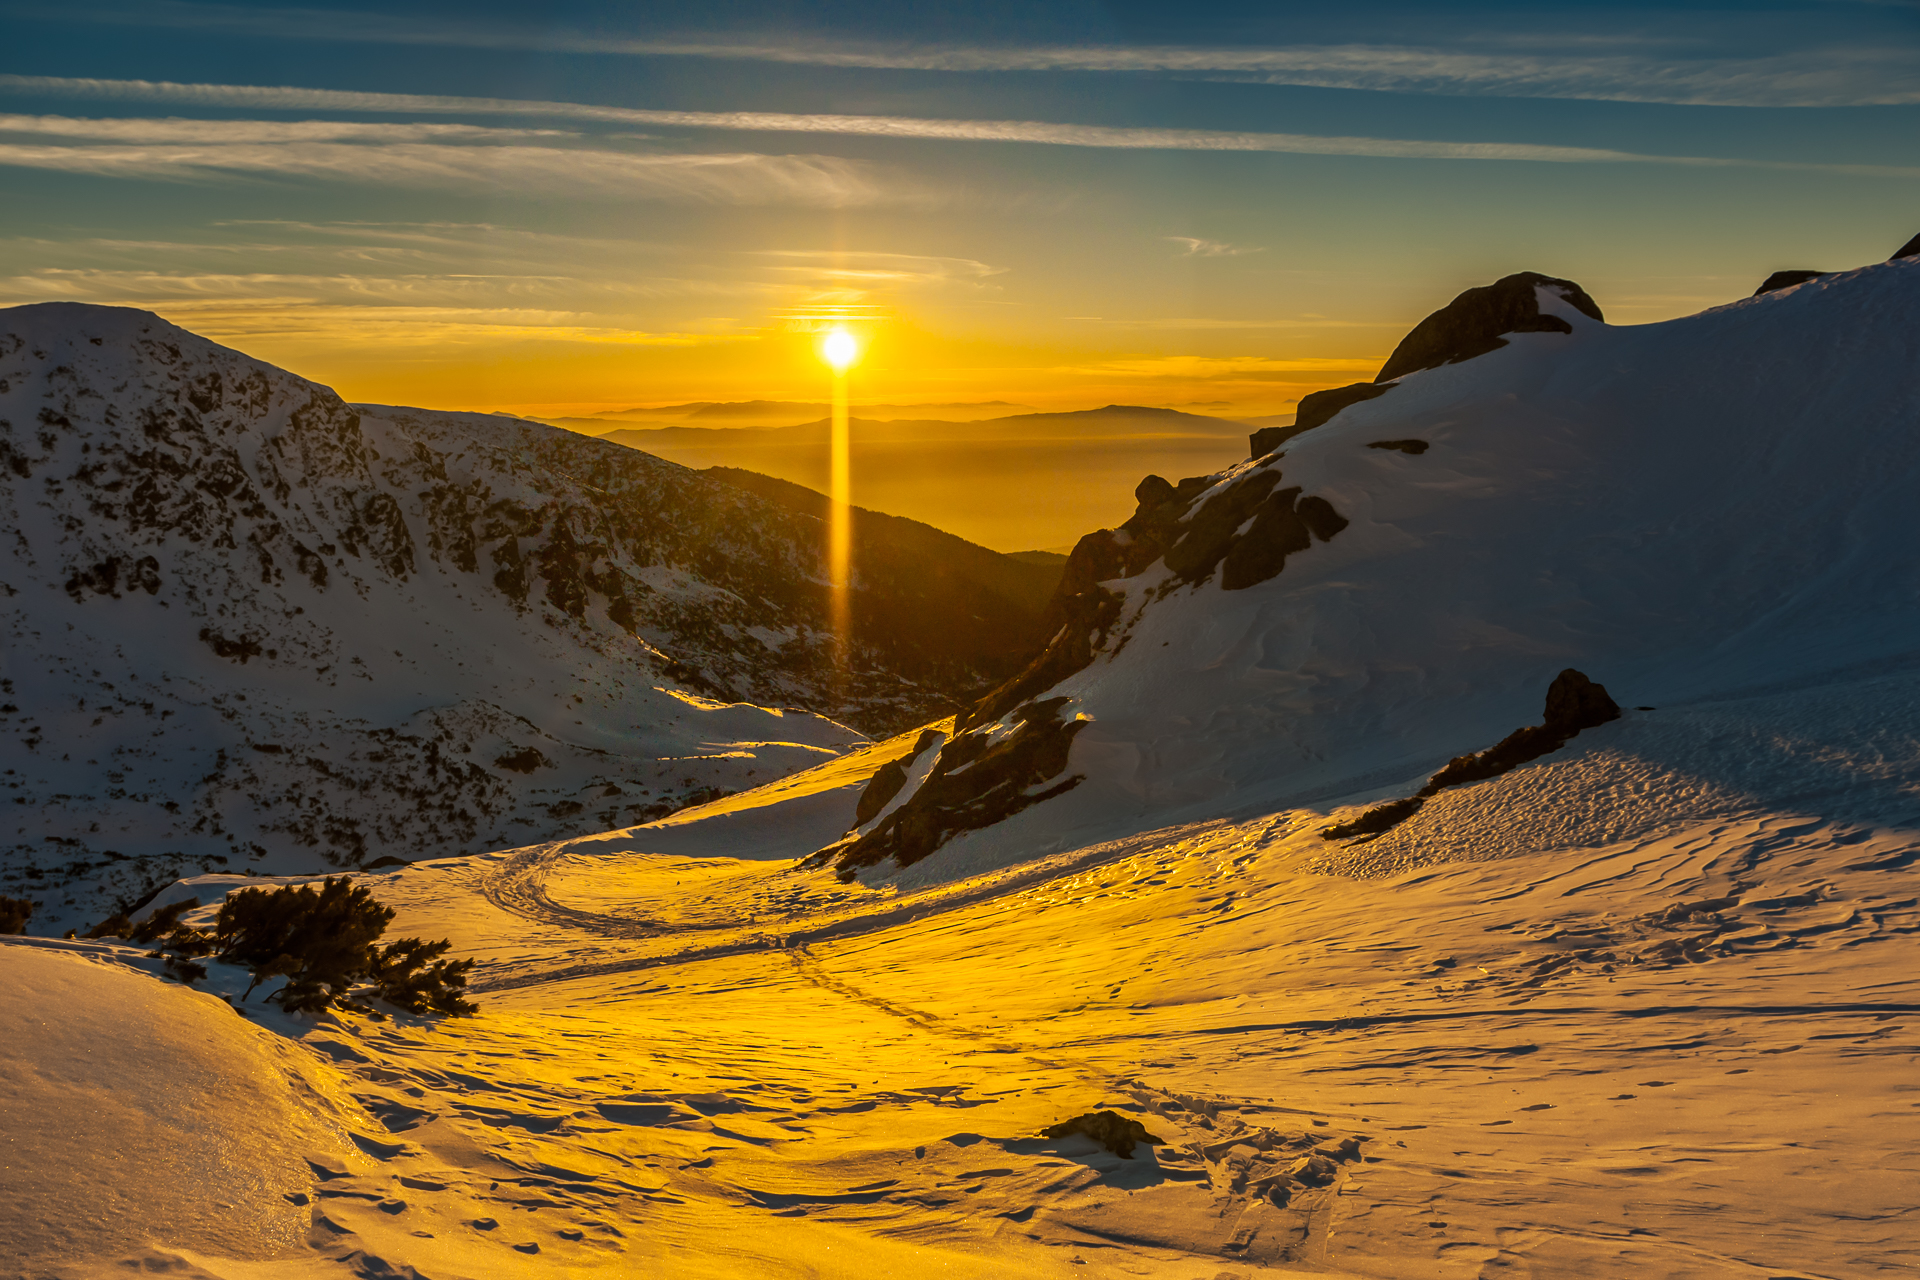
{"x":251,"y":625}
{"x":1683,"y":511}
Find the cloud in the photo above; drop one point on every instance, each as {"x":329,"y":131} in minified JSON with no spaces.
{"x":147,"y":131}
{"x":874,"y":268}
{"x":285,"y":98}
{"x":1630,"y":70}
{"x":1193,"y":247}
{"x":537,"y":172}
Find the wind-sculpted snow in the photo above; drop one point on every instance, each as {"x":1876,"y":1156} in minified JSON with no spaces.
{"x":250,"y":625}
{"x":1682,"y":511}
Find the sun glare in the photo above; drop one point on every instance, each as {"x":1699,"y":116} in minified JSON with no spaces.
{"x":840,"y":350}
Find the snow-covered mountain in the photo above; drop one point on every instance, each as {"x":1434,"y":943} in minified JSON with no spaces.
{"x":249,"y":625}
{"x":1698,"y":509}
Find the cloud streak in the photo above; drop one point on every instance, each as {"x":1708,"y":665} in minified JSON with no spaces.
{"x":390,"y":155}
{"x":1195,"y":247}
{"x":286,"y":98}
{"x":1558,"y":68}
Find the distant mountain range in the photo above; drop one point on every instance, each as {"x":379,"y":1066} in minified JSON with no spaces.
{"x":1014,"y":483}
{"x":1114,"y":421}
{"x":773,"y":413}
{"x":252,"y":626}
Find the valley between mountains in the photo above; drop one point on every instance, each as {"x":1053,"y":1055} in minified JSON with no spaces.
{"x":1474,"y":836}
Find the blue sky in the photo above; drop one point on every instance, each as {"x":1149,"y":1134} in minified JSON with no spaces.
{"x":578,"y":206}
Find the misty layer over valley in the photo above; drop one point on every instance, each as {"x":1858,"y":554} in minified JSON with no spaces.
{"x":1476,"y":834}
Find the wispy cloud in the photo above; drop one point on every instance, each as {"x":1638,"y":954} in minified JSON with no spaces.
{"x":146,"y":131}
{"x":1488,"y":65}
{"x":870,"y":268}
{"x":902,"y":127}
{"x":498,"y":161}
{"x":1194,"y":247}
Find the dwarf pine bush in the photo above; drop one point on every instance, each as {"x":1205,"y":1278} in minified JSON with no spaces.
{"x":14,"y":913}
{"x":321,"y":939}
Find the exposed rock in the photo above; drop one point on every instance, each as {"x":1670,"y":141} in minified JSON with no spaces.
{"x":1908,"y":250}
{"x":1267,"y":439}
{"x":1573,"y":703}
{"x":1209,"y":532}
{"x":1248,"y":522}
{"x":1377,"y":820}
{"x":1316,"y":410}
{"x":1403,"y":446}
{"x":981,"y":777}
{"x":1115,"y":1132}
{"x":882,"y":787}
{"x":1787,"y":279}
{"x":1153,"y":491}
{"x":1474,"y":323}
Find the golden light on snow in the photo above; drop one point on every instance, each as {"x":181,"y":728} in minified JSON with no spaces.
{"x":840,"y":349}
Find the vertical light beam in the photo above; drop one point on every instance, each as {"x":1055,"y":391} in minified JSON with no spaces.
{"x":840,"y":351}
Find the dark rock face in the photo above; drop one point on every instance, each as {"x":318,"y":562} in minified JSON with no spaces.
{"x":1315,"y":410}
{"x":977,"y":781}
{"x":1115,"y":1132}
{"x":1573,"y":703}
{"x":883,"y":786}
{"x":888,"y":779}
{"x":1401,"y":446}
{"x":1196,"y":528}
{"x":1471,"y":325}
{"x":1787,"y":279}
{"x":1474,"y":323}
{"x":1908,"y":250}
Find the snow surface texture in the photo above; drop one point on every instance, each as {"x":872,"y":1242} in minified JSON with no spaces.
{"x":1683,"y":511}
{"x":250,"y":626}
{"x":105,"y":1071}
{"x":1686,"y":1053}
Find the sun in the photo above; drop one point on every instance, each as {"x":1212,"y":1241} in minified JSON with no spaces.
{"x":840,"y":349}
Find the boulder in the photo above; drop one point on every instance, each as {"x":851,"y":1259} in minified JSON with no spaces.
{"x":1115,"y":1132}
{"x":1787,"y":279}
{"x":1315,"y":410}
{"x":1573,"y":703}
{"x":1475,"y":323}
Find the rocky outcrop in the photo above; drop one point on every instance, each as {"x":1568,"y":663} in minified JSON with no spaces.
{"x":1477,"y":321}
{"x":1787,"y":279}
{"x":1908,"y":250}
{"x":1315,"y":410}
{"x":888,"y":780}
{"x":1117,"y":1133}
{"x":1010,"y":751}
{"x":1473,"y":324}
{"x":1573,"y":703}
{"x":1415,"y":447}
{"x":981,"y":777}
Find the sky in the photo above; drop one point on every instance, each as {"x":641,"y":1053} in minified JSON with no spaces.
{"x":575,"y":207}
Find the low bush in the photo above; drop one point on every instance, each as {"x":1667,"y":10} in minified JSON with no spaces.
{"x":322,"y":939}
{"x":14,"y":913}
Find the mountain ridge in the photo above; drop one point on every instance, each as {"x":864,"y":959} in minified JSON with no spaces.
{"x":251,"y":625}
